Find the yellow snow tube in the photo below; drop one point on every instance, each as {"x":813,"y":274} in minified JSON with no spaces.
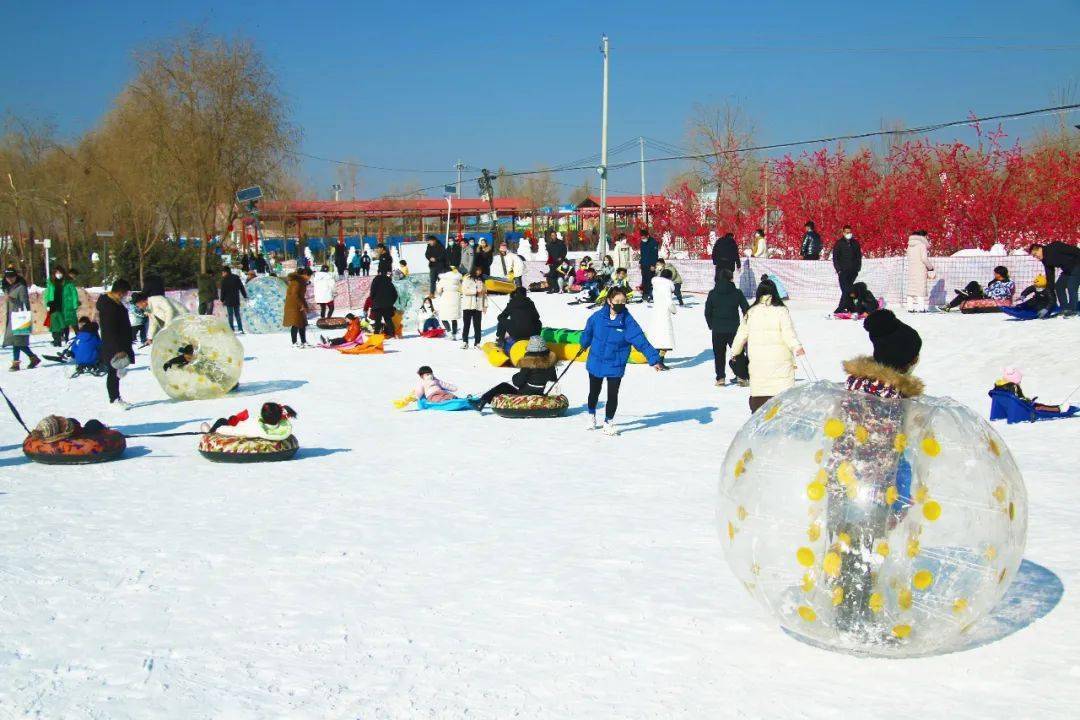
{"x":568,"y":351}
{"x":499,"y":286}
{"x":495,"y":354}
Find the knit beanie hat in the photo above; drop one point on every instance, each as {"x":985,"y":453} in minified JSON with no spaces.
{"x":536,"y":346}
{"x":53,"y":428}
{"x":1013,"y":375}
{"x":896,"y":345}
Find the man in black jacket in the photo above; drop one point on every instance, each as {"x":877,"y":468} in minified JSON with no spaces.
{"x":383,"y":297}
{"x":847,"y":261}
{"x":1060,"y":256}
{"x":556,"y":250}
{"x":811,"y":243}
{"x":115,"y":325}
{"x":725,"y":255}
{"x":232,"y":289}
{"x":520,"y":320}
{"x":724,"y":309}
{"x":340,"y":258}
{"x":386,"y":263}
{"x":436,"y":261}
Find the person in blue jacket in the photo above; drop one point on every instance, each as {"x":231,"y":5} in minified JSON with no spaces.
{"x":609,"y":335}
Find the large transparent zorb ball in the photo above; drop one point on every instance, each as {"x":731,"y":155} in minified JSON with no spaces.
{"x":265,"y":306}
{"x":203,"y":355}
{"x":872,"y":526}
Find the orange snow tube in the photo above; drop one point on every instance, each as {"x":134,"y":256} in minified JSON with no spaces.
{"x":372,"y":345}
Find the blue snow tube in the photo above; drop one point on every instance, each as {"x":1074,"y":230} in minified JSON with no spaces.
{"x":448,"y":405}
{"x":1018,"y":313}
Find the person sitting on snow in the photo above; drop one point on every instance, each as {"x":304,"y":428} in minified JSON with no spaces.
{"x":427,"y":318}
{"x":352,"y":332}
{"x":429,"y":388}
{"x":272,"y":423}
{"x":1040,"y":296}
{"x":590,"y":286}
{"x":1010,"y":380}
{"x":862,"y":299}
{"x":85,"y":349}
{"x":565,"y":274}
{"x":537,"y":369}
{"x":1000,"y":288}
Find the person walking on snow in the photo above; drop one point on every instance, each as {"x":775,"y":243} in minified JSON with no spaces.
{"x":650,"y":253}
{"x":725,"y":254}
{"x":624,"y":254}
{"x":768,"y":331}
{"x":1060,"y":256}
{"x":365,"y":264}
{"x":919,"y":273}
{"x":473,"y":306}
{"x":847,"y":261}
{"x":724,"y":310}
{"x":340,"y":258}
{"x":383,"y":296}
{"x":811,"y":243}
{"x":662,"y":325}
{"x":296,"y":307}
{"x":448,"y":300}
{"x":323,"y":283}
{"x":17,"y":299}
{"x":609,"y":335}
{"x":61,"y":298}
{"x":232,"y":289}
{"x":115,"y":352}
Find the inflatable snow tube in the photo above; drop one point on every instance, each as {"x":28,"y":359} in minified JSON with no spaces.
{"x":539,"y":286}
{"x":1024,"y":314}
{"x":499,"y":286}
{"x":566,"y":344}
{"x":331,"y":323}
{"x":530,"y":406}
{"x":82,"y":450}
{"x":433,"y":333}
{"x":445,"y":405}
{"x":231,"y":449}
{"x":372,"y":345}
{"x":985,"y":305}
{"x":495,"y":354}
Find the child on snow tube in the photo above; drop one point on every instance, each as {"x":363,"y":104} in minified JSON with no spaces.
{"x":1000,"y":288}
{"x":352,"y":333}
{"x":241,"y":438}
{"x":433,"y":393}
{"x":1009,"y":382}
{"x":59,"y":440}
{"x":1039,"y":299}
{"x":537,"y":369}
{"x":427,"y":320}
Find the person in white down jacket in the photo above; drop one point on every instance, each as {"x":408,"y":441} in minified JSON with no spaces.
{"x":662,"y":322}
{"x":769,"y":337}
{"x":919,"y":272}
{"x":508,"y":265}
{"x":448,"y":300}
{"x":323,"y":285}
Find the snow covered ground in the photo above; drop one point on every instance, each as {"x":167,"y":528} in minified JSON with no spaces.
{"x":448,"y":565}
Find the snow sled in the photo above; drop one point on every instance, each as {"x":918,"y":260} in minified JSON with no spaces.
{"x":857,"y":316}
{"x":433,"y":333}
{"x":538,"y":286}
{"x":447,"y":405}
{"x":984,"y":305}
{"x":499,"y":286}
{"x":372,"y":345}
{"x":1006,"y":406}
{"x":234,"y":449}
{"x":331,"y":323}
{"x":530,"y":406}
{"x":1019,"y":313}
{"x":79,"y":449}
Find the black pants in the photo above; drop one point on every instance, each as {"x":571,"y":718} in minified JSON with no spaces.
{"x":471,"y":317}
{"x":384,"y":317}
{"x":206,"y":308}
{"x":233,"y":312}
{"x":721,"y":341}
{"x":433,"y":277}
{"x":756,"y":401}
{"x":450,"y":326}
{"x":612,"y":403}
{"x":846,"y":279}
{"x":365,"y":271}
{"x":646,"y":282}
{"x":112,"y":383}
{"x":678,"y":293}
{"x":300,"y":332}
{"x":139,"y":331}
{"x":500,"y":389}
{"x":1067,"y":287}
{"x":337,"y":341}
{"x":326,"y":309}
{"x":553,"y":280}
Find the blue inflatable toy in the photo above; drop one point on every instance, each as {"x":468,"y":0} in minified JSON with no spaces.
{"x":448,"y":405}
{"x":1006,"y":406}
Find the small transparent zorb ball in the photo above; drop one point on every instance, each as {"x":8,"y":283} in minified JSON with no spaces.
{"x":196,"y":357}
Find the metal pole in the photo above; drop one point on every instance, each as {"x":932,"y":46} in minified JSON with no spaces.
{"x":460,"y":166}
{"x":449,"y":207}
{"x":601,"y":248}
{"x":641,"y":144}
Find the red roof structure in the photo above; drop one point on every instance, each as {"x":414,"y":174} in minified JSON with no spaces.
{"x":622,"y":203}
{"x":395,"y":207}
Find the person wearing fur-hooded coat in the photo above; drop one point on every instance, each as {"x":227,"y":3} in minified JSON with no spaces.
{"x":537,"y":369}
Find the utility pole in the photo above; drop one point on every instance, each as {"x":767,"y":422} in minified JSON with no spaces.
{"x":641,"y":145}
{"x":459,"y":167}
{"x":337,"y":191}
{"x":601,"y":248}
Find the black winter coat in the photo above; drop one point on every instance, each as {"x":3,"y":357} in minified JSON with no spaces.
{"x":1059,"y":255}
{"x":863,"y":300}
{"x":533,"y":381}
{"x":725,"y":253}
{"x":811,"y":246}
{"x":232,"y":288}
{"x":115,"y":326}
{"x":556,"y":250}
{"x":482,"y":260}
{"x":520,"y":319}
{"x":451,"y":256}
{"x":340,"y":256}
{"x":436,"y":258}
{"x":847,"y":256}
{"x":386,"y":264}
{"x":383,"y":293}
{"x":725,"y":307}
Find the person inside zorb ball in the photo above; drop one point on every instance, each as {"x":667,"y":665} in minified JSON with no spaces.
{"x":196,"y":357}
{"x":870,"y":518}
{"x":265,"y":304}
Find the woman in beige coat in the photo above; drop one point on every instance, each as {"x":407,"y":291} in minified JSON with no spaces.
{"x":919,"y":272}
{"x":770,"y":340}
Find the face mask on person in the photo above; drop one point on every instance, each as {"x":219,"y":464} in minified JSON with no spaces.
{"x":59,"y":276}
{"x":848,"y":236}
{"x":618,"y":307}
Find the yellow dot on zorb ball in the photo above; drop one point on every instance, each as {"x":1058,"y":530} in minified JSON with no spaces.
{"x":815,"y":490}
{"x":807,"y":582}
{"x":877,"y":602}
{"x":930,"y":446}
{"x":959,"y":606}
{"x":834,"y":428}
{"x":807,"y":613}
{"x":814,"y":532}
{"x":994,"y":449}
{"x":837,"y":595}
{"x":901,"y":631}
{"x":748,"y":455}
{"x":861,"y":434}
{"x":730,"y":531}
{"x":900,"y":443}
{"x":891,"y":494}
{"x":912,"y":548}
{"x":882,"y":549}
{"x":1012,"y":511}
{"x":923,"y":579}
{"x":831,"y":564}
{"x":845,"y":473}
{"x":844,"y":540}
{"x":819,"y":456}
{"x":740,"y":468}
{"x":805,"y":556}
{"x":741,"y":513}
{"x":903,"y":599}
{"x":931,"y":511}
{"x":771,"y":412}
{"x":999,"y":493}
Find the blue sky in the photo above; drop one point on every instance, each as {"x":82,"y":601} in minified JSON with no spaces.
{"x":418,"y":85}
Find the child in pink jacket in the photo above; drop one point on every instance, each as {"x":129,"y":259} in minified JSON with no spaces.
{"x":431,"y":388}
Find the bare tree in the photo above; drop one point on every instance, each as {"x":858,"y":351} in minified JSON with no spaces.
{"x":581,"y":193}
{"x":540,"y":189}
{"x":722,"y":133}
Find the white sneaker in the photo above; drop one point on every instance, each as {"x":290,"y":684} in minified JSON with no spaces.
{"x":120,"y":404}
{"x":465,"y":345}
{"x":610,"y":429}
{"x":303,"y":346}
{"x":591,"y":422}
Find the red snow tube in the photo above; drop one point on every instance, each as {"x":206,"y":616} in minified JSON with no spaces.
{"x":96,"y":447}
{"x":434,"y":333}
{"x":331,"y":323}
{"x":985,"y":305}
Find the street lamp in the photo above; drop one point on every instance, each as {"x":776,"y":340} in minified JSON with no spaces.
{"x":337,"y":191}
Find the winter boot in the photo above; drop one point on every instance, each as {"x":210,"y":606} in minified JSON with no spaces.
{"x":34,"y":362}
{"x":14,"y":366}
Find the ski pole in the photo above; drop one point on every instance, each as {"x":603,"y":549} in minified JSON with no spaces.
{"x":579,"y":354}
{"x":14,"y":412}
{"x":1070,"y":395}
